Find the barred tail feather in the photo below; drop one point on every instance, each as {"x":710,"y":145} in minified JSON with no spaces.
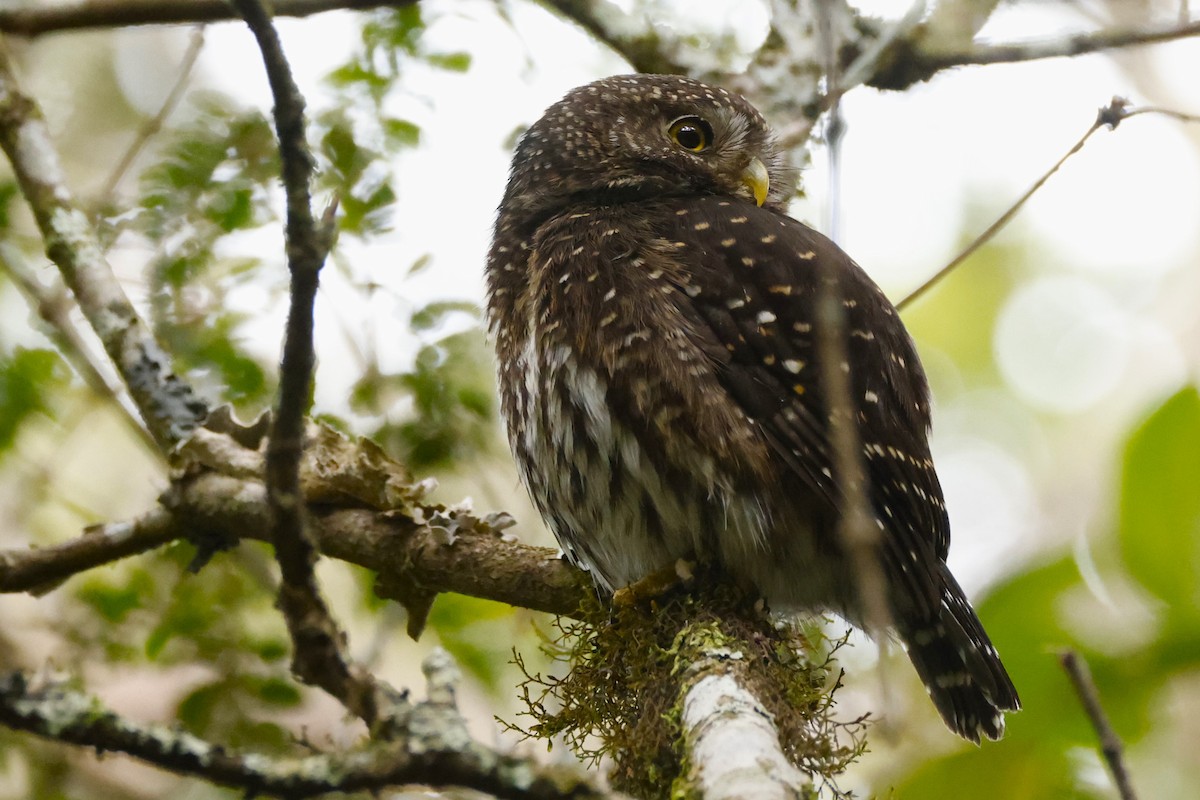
{"x":960,"y":668}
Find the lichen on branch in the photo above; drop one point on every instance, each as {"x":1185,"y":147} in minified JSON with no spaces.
{"x":632,"y":667}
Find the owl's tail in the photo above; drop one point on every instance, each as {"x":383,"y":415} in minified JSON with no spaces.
{"x":960,"y":667}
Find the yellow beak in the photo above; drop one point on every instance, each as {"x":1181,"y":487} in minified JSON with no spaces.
{"x":755,"y":178}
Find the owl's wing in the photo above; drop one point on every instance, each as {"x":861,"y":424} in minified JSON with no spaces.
{"x":752,"y":280}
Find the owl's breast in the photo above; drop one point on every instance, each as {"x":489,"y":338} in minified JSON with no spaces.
{"x":626,"y":441}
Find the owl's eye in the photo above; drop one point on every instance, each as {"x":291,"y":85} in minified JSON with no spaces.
{"x":691,"y":133}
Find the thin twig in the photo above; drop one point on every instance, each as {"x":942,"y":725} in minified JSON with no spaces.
{"x":1166,"y":112}
{"x":861,"y":538}
{"x":1110,"y":743}
{"x":153,"y":125}
{"x":1060,"y":46}
{"x":1111,"y":115}
{"x":318,"y":656}
{"x":38,"y":569}
{"x":438,"y":752}
{"x":36,"y":20}
{"x":646,"y":51}
{"x":53,"y":305}
{"x":167,"y":404}
{"x":995,"y":227}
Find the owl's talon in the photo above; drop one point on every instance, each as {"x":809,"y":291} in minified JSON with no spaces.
{"x":653,"y":586}
{"x":685,"y":570}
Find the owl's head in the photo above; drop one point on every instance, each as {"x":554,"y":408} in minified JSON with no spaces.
{"x":637,"y":137}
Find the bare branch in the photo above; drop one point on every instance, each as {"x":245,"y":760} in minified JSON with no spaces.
{"x":857,"y":530}
{"x":318,"y":656}
{"x":939,"y":45}
{"x":365,"y":511}
{"x":645,"y":50}
{"x":1059,"y":47}
{"x":153,"y":125}
{"x":1110,"y":743}
{"x":53,"y":304}
{"x":167,"y":404}
{"x":41,"y":568}
{"x":1111,"y":115}
{"x":435,"y":749}
{"x":35,"y":20}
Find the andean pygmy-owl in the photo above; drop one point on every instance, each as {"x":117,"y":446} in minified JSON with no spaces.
{"x":653,"y":312}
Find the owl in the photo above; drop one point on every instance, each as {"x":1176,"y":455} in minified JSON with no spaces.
{"x":654,"y":314}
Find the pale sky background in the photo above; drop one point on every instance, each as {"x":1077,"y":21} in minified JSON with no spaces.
{"x":1091,"y":336}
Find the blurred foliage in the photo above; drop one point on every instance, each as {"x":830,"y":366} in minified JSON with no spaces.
{"x":467,"y":628}
{"x":1031,"y":618}
{"x":28,"y":379}
{"x":1159,"y":525}
{"x":212,"y":178}
{"x":159,"y":615}
{"x":210,"y":198}
{"x":391,"y":38}
{"x":448,"y":391}
{"x":959,"y":315}
{"x":357,"y":138}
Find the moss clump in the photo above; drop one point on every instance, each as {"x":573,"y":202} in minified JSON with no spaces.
{"x":621,"y":697}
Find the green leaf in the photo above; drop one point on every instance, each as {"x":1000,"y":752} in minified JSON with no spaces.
{"x":233,"y":210}
{"x":401,"y":132}
{"x":369,"y":213}
{"x":196,"y":710}
{"x":1159,"y":522}
{"x":356,"y":73}
{"x":432,"y":315}
{"x":475,"y":647}
{"x":421,"y":264}
{"x":996,"y":772}
{"x":245,"y":379}
{"x":26,"y":380}
{"x":277,"y":692}
{"x":113,"y":603}
{"x":343,"y":153}
{"x":456,"y":62}
{"x":405,"y":27}
{"x":271,"y":649}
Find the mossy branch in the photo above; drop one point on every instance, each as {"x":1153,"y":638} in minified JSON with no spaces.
{"x":657,"y":688}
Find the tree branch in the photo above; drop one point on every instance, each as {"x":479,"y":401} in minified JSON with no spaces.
{"x":38,"y":569}
{"x":1110,"y":116}
{"x":154,"y":124}
{"x":318,"y":656}
{"x":731,"y":740}
{"x":644,"y":49}
{"x":53,"y":304}
{"x":167,"y":404}
{"x":88,"y":14}
{"x":364,"y":510}
{"x":1062,"y":46}
{"x":1110,"y":744}
{"x":434,"y":748}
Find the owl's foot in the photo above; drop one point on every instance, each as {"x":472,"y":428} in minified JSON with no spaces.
{"x":656,"y":584}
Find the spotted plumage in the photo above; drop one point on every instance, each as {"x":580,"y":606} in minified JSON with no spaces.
{"x":653,"y":311}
